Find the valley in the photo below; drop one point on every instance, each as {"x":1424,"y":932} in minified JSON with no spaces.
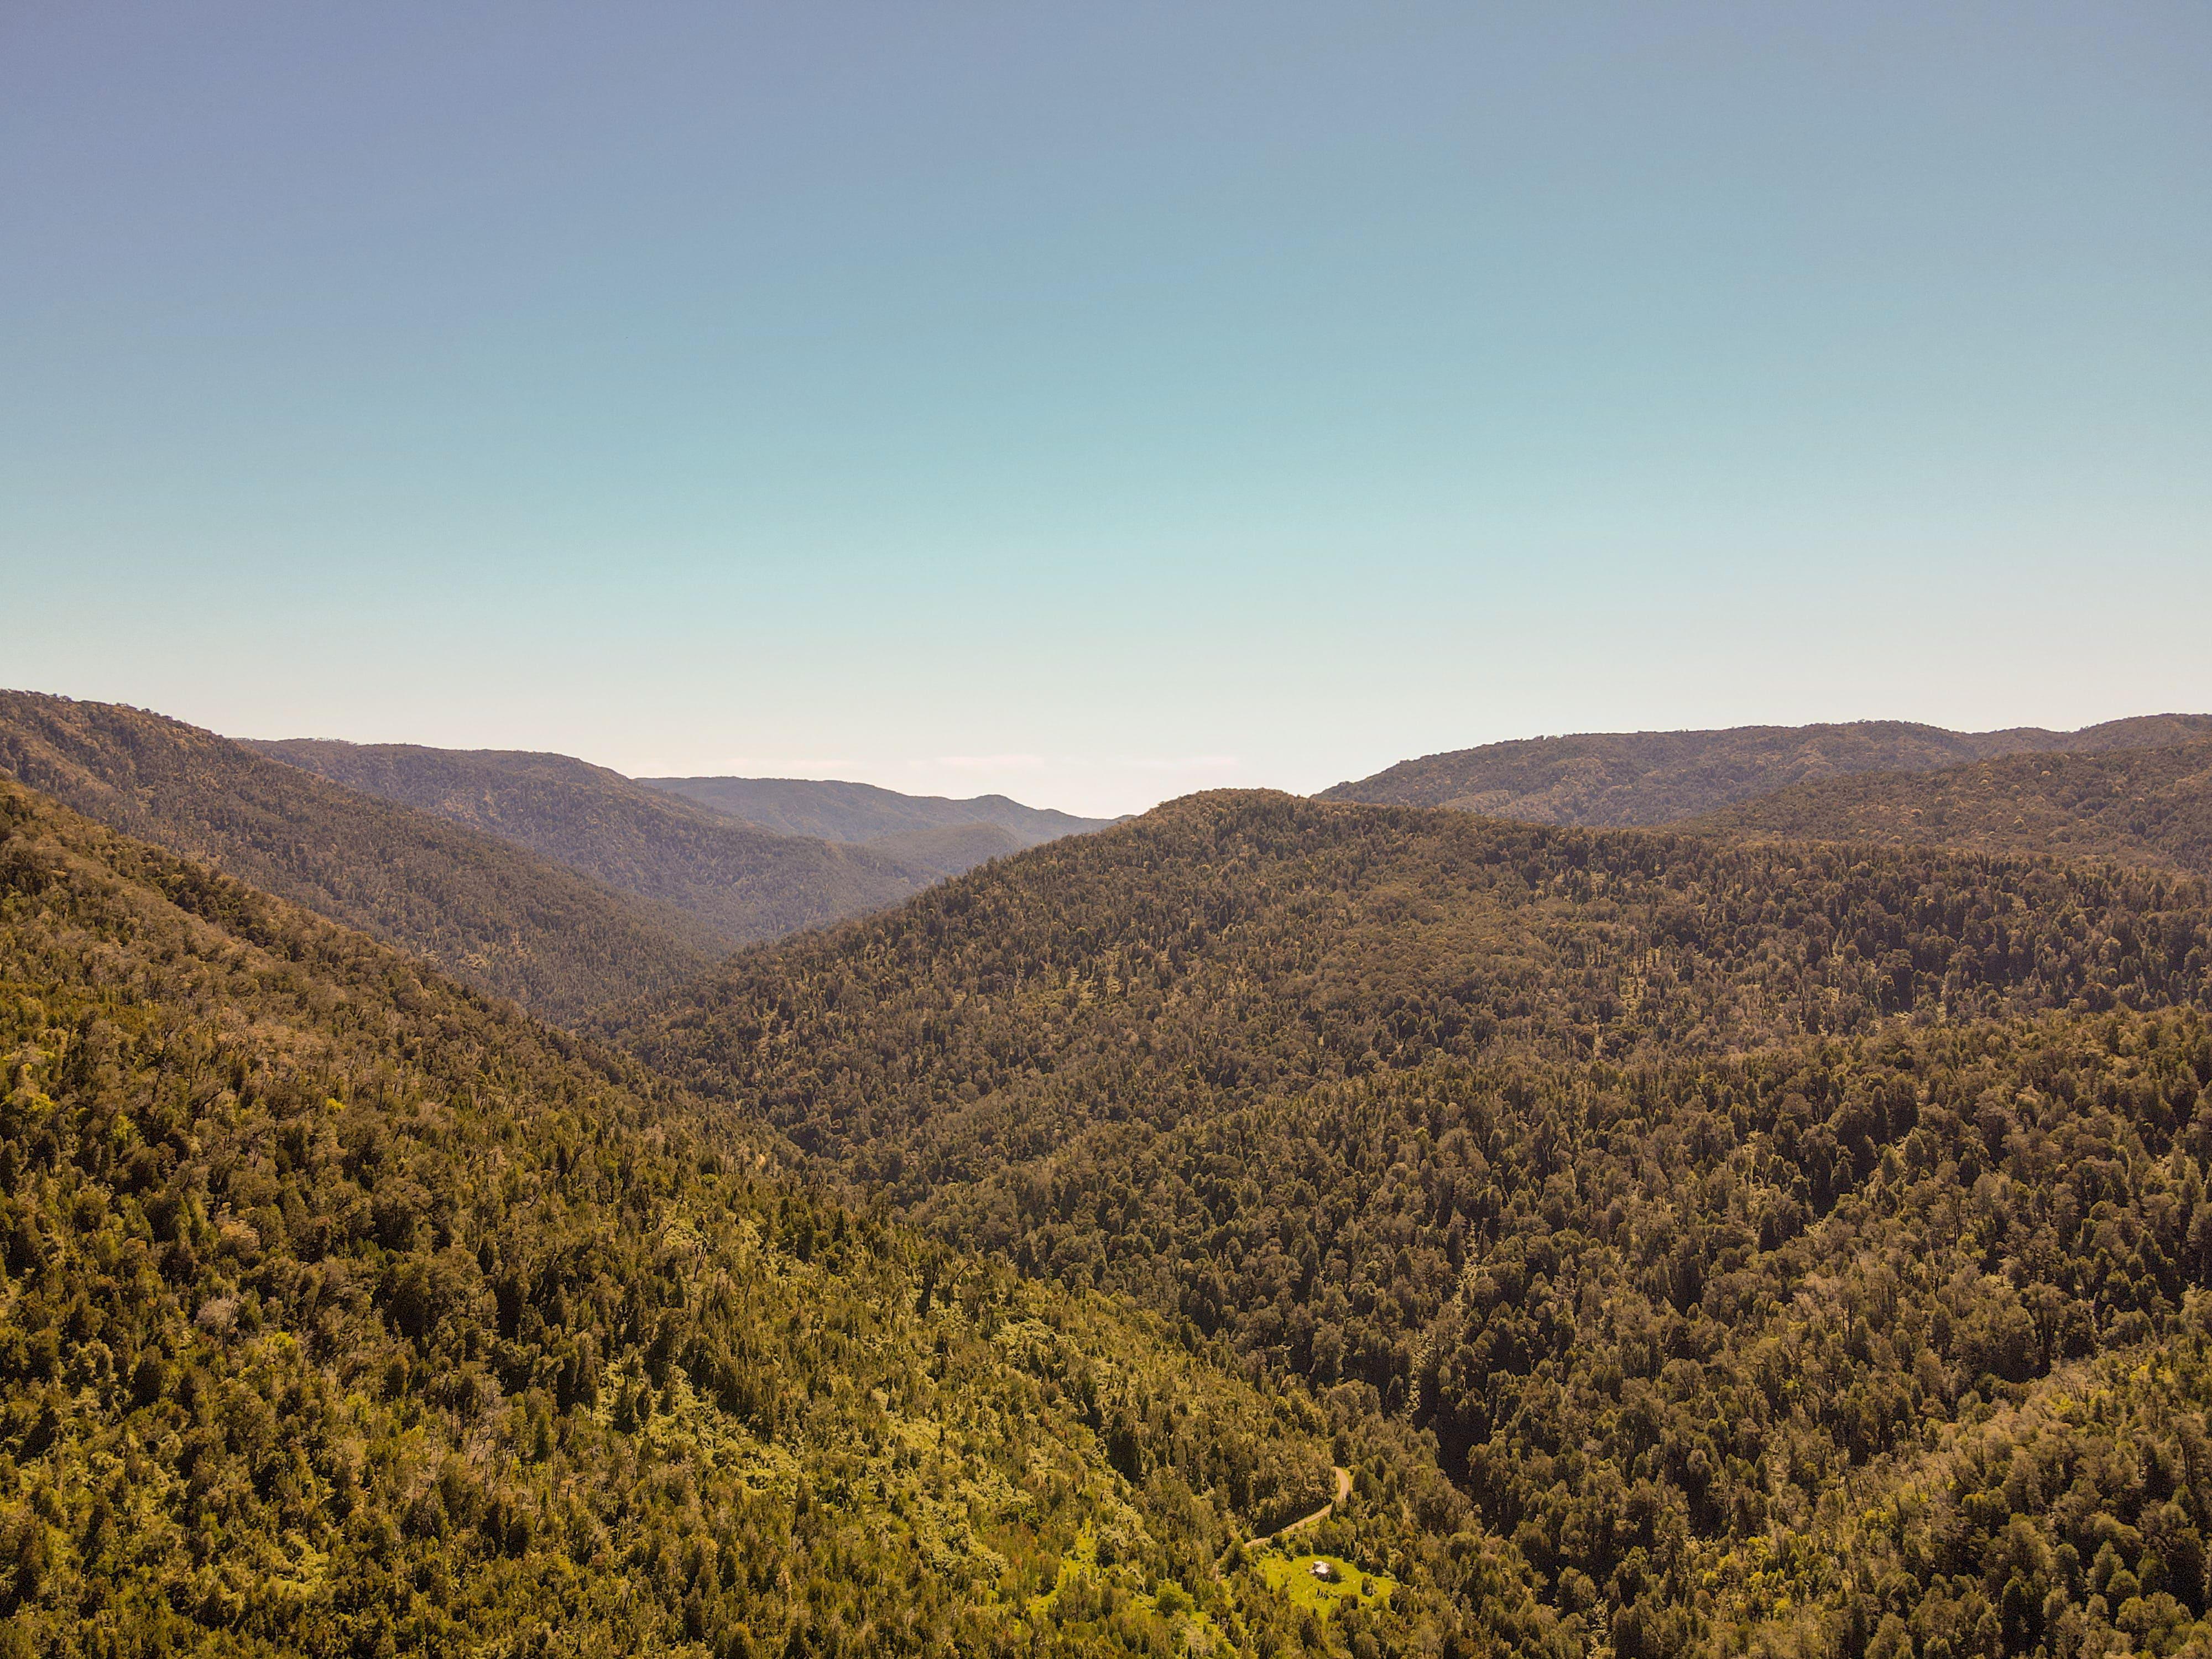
{"x":1784,"y":1231}
{"x":1246,"y":831}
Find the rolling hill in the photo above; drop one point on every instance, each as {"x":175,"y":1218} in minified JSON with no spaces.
{"x":1770,"y":1234}
{"x":950,"y":849}
{"x":1229,"y":944}
{"x":1658,"y":777}
{"x":1735,"y":1218}
{"x":739,"y":882}
{"x":864,"y":812}
{"x":484,"y":910}
{"x":2147,"y":806}
{"x":345,"y":1312}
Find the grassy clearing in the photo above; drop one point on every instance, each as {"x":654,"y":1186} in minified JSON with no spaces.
{"x":1347,"y":1585}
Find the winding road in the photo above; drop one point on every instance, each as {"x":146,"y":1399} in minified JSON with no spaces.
{"x":1343,"y":1492}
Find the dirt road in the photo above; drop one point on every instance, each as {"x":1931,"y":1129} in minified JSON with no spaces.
{"x":1343,"y":1492}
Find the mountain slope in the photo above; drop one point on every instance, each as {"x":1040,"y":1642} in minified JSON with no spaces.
{"x":864,"y":812}
{"x":741,"y":883}
{"x":1236,"y":942}
{"x":952,"y":849}
{"x":2149,"y":807}
{"x":483,"y":910}
{"x":1657,"y":777}
{"x":345,"y":1312}
{"x":1678,"y":1189}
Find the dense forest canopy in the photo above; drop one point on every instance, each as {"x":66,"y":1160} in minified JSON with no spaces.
{"x":1693,"y":1197}
{"x":482,"y":908}
{"x":2142,"y":806}
{"x":1657,"y":777}
{"x":1230,"y":944}
{"x":739,"y":882}
{"x":345,"y":1312}
{"x":1786,"y":1232}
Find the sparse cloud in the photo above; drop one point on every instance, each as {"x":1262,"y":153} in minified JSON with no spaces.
{"x":988,"y":762}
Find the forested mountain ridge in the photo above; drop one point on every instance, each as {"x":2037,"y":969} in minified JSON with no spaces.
{"x":484,"y":910}
{"x":1690,"y":1242}
{"x":345,"y":1312}
{"x":741,"y":883}
{"x":1687,"y":1192}
{"x":1627,"y":778}
{"x":2144,"y":807}
{"x":1240,"y":942}
{"x":865,"y":811}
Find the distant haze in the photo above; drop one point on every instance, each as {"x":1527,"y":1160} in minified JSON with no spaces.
{"x":862,"y":812}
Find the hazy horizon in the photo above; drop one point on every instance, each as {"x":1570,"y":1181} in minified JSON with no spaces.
{"x":901,"y":778}
{"x":1089,"y":407}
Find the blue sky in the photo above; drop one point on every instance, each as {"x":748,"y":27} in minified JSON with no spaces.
{"x":1097,"y":403}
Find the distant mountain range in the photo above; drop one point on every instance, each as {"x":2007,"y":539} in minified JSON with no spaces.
{"x":2143,"y":806}
{"x":485,"y":910}
{"x":1659,"y":777}
{"x":864,"y":812}
{"x":538,"y":877}
{"x":742,"y":883}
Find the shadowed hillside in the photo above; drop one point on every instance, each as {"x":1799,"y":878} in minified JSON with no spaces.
{"x":2147,"y":806}
{"x":1657,"y":777}
{"x":1717,"y":1208}
{"x":951,"y":850}
{"x":1236,"y":942}
{"x":345,"y":1312}
{"x":863,"y":812}
{"x":741,"y":883}
{"x":483,"y":909}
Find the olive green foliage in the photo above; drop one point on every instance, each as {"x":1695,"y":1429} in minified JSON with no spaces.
{"x":1348,"y":1587}
{"x":344,"y":1311}
{"x":1230,"y":946}
{"x":1708,"y":1300}
{"x":739,"y":882}
{"x":1657,"y":777}
{"x":1670,"y":1188}
{"x":2142,"y":806}
{"x":2073,"y":1523}
{"x":483,"y":909}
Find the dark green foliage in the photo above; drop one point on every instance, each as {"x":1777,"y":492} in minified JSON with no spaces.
{"x":483,"y":910}
{"x":342,"y":1311}
{"x":2139,"y":806}
{"x":1657,"y":777}
{"x":1672,"y":1187}
{"x":2074,"y":1523}
{"x":1230,"y":946}
{"x":1694,"y":1308}
{"x":1687,"y":1246}
{"x":740,"y":883}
